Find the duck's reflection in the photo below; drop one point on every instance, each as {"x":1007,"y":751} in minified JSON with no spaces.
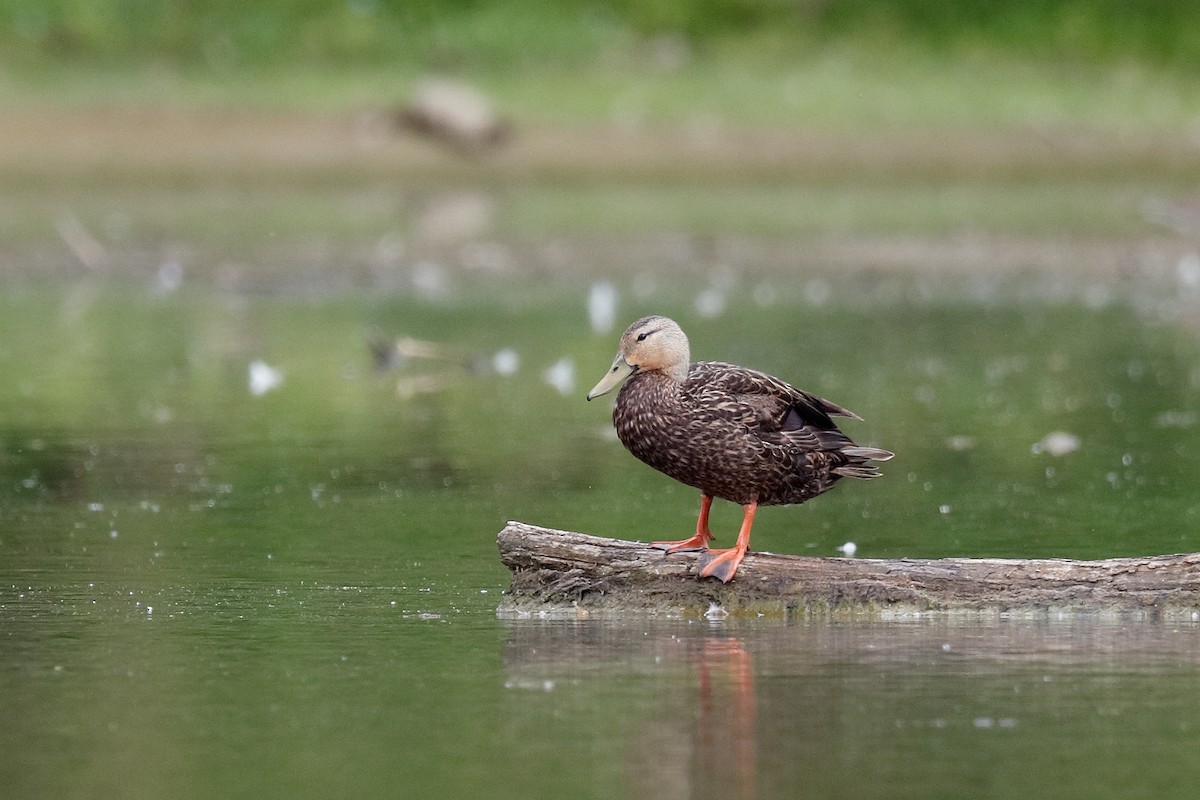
{"x":725,"y":736}
{"x":696,"y":735}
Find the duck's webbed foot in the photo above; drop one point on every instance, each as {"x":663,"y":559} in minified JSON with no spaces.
{"x":703,"y":534}
{"x":721,"y":564}
{"x":698,"y":542}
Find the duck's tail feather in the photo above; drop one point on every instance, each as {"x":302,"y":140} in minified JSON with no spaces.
{"x":858,"y":466}
{"x":869,"y":453}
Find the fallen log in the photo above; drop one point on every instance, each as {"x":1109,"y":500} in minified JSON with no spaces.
{"x":561,"y":573}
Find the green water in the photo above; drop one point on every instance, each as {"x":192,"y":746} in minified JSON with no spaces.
{"x":207,"y":593}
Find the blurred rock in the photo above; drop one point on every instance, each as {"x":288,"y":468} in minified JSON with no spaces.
{"x":455,"y":114}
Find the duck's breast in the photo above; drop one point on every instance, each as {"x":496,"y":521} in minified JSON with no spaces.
{"x":716,"y":447}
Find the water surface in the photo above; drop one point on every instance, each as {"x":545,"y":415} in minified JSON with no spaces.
{"x":207,"y":592}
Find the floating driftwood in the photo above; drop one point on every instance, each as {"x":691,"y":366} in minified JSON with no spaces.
{"x":562,"y":573}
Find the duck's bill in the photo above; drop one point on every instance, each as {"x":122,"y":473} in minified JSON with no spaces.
{"x":619,"y":371}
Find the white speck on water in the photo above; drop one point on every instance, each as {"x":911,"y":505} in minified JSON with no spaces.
{"x":602,"y":306}
{"x":1057,"y":443}
{"x":1126,"y":460}
{"x":983,"y":722}
{"x":710,"y":303}
{"x":1175,"y":419}
{"x":947,"y":647}
{"x":960,"y":443}
{"x":95,"y":506}
{"x":715,"y":611}
{"x":561,"y":376}
{"x":817,"y":292}
{"x":1188,"y":271}
{"x":263,"y":378}
{"x":546,"y":685}
{"x":944,"y":509}
{"x":149,"y":610}
{"x":506,"y":361}
{"x":169,"y":277}
{"x":113,"y":534}
{"x":430,"y":281}
{"x":848,"y":549}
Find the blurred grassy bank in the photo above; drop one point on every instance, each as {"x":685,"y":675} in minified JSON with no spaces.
{"x":507,"y":34}
{"x":245,"y":139}
{"x":840,"y":64}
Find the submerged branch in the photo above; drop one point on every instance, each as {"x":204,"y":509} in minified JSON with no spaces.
{"x":565,"y":573}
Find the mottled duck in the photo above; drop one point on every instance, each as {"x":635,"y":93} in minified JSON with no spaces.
{"x":729,"y":431}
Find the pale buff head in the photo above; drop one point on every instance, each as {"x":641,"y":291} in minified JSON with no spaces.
{"x":648,"y":345}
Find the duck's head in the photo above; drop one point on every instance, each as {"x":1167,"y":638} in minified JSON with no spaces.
{"x":648,"y":345}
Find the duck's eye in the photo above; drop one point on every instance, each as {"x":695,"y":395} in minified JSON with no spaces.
{"x":642,"y":337}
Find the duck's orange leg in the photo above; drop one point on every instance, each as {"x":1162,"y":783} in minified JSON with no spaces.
{"x":703,"y":534}
{"x":723,"y":563}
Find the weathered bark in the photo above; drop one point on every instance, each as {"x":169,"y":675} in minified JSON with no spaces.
{"x":564,"y":573}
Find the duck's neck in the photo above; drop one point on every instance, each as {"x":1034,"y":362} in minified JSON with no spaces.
{"x":655,"y":383}
{"x":677,"y":372}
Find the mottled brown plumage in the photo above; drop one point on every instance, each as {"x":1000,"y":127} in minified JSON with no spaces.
{"x":731,"y":432}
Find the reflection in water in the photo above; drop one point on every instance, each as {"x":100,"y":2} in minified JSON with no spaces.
{"x":810,"y":709}
{"x":725,"y":737}
{"x":697,"y":735}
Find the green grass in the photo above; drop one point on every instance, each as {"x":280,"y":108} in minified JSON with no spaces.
{"x":844,"y":65}
{"x":507,"y":34}
{"x":838,"y":88}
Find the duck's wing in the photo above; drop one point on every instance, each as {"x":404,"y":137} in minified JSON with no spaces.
{"x":780,"y":416}
{"x":760,"y":400}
